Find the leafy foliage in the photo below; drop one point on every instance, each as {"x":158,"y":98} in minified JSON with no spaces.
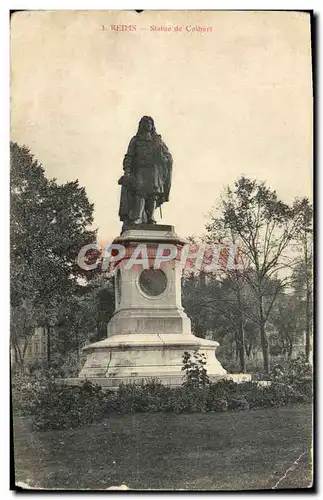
{"x":49,"y":224}
{"x":83,"y":318}
{"x":64,"y":407}
{"x":193,"y":366}
{"x":251,"y":214}
{"x":297,"y":374}
{"x":55,"y":406}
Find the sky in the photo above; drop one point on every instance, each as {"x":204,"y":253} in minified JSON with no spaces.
{"x":233,"y":99}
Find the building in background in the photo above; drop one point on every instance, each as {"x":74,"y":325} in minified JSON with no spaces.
{"x":36,"y":348}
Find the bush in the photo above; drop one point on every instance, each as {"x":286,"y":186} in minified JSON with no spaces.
{"x":64,"y":407}
{"x":192,"y":399}
{"x":273,"y":395}
{"x":153,"y":396}
{"x":25,"y":391}
{"x":145,"y":396}
{"x":220,"y":404}
{"x":57,"y":406}
{"x":193,"y":366}
{"x":297,"y":374}
{"x":238,"y":403}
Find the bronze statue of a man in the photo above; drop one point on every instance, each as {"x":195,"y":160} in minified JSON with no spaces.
{"x":147,"y":175}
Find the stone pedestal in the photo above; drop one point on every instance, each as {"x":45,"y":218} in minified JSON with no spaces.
{"x":149,"y":331}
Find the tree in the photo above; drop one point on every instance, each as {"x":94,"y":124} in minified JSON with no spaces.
{"x":84,"y":316}
{"x":251,"y":214}
{"x":196,"y":293}
{"x":23,"y":322}
{"x":105,"y":305}
{"x":49,"y":224}
{"x":285,"y":318}
{"x":209,"y":302}
{"x":302,"y":278}
{"x":236,"y":300}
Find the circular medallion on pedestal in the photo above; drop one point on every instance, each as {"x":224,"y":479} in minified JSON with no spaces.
{"x":153,"y":282}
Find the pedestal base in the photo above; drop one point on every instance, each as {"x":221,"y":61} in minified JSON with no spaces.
{"x":136,"y":357}
{"x":149,"y":331}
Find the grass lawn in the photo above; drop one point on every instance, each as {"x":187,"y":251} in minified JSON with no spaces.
{"x":214,"y":451}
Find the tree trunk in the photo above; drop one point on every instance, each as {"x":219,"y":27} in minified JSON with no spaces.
{"x":248,"y":349}
{"x":47,"y":329}
{"x":21,"y":362}
{"x":241,"y":348}
{"x":263,"y":337}
{"x":16,"y":354}
{"x":241,"y":338}
{"x":236,"y":347}
{"x":20,"y":354}
{"x":307,"y":325}
{"x":77,"y":347}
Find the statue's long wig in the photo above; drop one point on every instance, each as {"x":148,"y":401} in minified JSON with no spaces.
{"x":141,"y":125}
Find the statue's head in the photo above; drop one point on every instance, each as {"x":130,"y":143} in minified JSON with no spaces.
{"x":147,"y":124}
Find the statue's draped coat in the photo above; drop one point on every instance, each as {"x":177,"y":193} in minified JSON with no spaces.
{"x":148,"y":169}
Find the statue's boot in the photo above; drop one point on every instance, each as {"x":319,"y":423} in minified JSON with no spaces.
{"x":137,"y":210}
{"x":149,"y":209}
